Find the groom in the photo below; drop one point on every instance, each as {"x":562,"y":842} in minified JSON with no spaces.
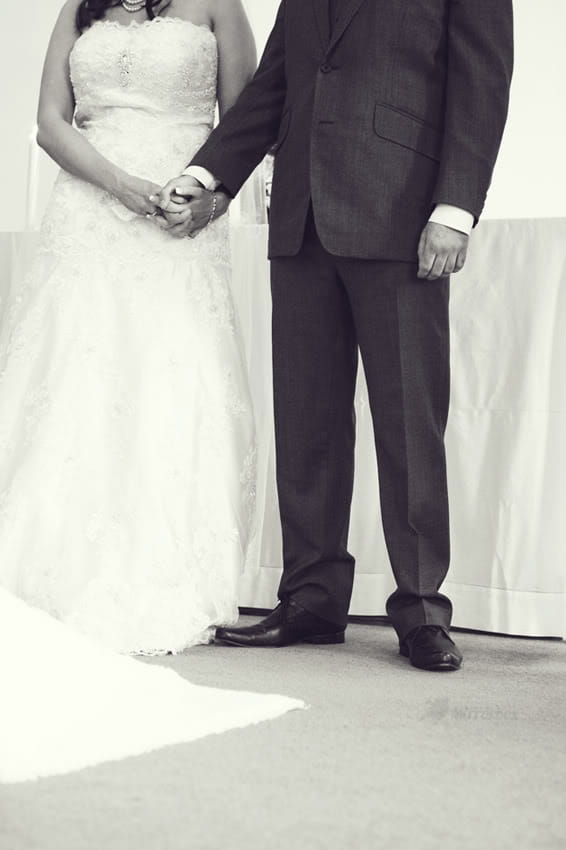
{"x":386,"y":118}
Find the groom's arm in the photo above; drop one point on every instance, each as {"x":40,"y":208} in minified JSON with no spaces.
{"x":480,"y":66}
{"x":249,"y":129}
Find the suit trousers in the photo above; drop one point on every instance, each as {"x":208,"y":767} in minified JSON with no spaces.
{"x":326,"y":309}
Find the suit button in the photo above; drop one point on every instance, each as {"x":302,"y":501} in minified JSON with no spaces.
{"x":326,"y":68}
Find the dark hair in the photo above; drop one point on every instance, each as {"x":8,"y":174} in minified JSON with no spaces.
{"x":94,"y":10}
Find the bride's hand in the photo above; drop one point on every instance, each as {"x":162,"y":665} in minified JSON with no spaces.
{"x":134,"y":193}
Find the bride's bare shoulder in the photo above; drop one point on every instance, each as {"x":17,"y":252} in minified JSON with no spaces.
{"x":65,"y":29}
{"x":70,"y":8}
{"x":196,"y":11}
{"x":211,"y":12}
{"x":68,"y":15}
{"x":63,"y":37}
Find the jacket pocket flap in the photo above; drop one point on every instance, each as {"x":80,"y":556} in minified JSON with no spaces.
{"x":407,"y":130}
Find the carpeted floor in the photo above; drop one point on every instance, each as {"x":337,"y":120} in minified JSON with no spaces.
{"x":386,"y":757}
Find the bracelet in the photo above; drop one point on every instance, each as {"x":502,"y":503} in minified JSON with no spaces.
{"x":214,"y":208}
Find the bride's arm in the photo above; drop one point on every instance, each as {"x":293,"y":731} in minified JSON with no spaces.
{"x":237,"y":55}
{"x":57,"y":136}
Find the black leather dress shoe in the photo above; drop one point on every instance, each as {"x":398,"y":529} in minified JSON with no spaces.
{"x":289,"y":623}
{"x":431,"y":648}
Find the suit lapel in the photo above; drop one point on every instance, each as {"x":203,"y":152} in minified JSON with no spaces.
{"x":322,"y":17}
{"x":349,"y":10}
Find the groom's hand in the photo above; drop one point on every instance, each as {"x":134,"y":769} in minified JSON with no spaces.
{"x":442,"y":251}
{"x":187,"y":217}
{"x":180,"y":190}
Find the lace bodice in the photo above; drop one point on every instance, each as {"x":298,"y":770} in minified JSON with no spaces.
{"x":146,"y":93}
{"x":145,"y":99}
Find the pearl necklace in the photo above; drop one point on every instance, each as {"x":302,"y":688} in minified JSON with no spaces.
{"x":133,"y":5}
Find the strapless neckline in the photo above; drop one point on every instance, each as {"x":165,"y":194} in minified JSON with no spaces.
{"x":160,"y":19}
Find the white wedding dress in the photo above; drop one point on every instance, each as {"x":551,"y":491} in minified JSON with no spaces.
{"x":127,"y":448}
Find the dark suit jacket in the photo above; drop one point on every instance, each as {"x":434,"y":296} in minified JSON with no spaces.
{"x":403,"y":106}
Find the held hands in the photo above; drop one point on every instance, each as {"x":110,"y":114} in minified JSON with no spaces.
{"x":442,"y":251}
{"x":187,"y":208}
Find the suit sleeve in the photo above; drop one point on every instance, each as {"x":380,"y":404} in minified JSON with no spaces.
{"x":480,"y":66}
{"x":250,"y":128}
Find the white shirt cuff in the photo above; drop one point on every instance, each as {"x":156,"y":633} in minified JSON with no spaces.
{"x":203,"y":176}
{"x":454,"y":217}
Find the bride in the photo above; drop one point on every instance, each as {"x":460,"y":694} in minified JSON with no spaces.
{"x":126,"y":432}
